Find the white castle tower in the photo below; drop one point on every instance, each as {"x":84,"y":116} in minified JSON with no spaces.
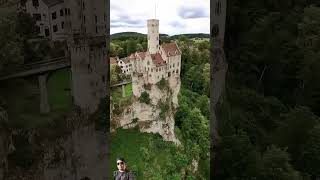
{"x":153,"y":35}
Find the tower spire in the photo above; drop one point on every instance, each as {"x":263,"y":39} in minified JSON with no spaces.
{"x":155,"y":10}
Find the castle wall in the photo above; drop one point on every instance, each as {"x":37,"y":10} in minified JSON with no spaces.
{"x":59,"y":32}
{"x":88,"y":68}
{"x":42,"y":9}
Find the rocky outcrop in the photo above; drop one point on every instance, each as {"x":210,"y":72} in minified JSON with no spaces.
{"x":155,"y":117}
{"x":81,"y":152}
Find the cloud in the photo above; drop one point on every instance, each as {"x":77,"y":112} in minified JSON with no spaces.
{"x":175,"y":16}
{"x":192,"y":12}
{"x":117,"y":25}
{"x":177,"y":24}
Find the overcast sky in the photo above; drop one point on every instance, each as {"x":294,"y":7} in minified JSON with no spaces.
{"x":175,"y":16}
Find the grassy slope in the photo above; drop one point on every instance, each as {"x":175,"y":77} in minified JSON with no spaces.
{"x":59,"y":93}
{"x":23,"y":98}
{"x":135,"y":147}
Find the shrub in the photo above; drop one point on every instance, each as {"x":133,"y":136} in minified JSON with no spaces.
{"x":164,"y":107}
{"x":145,"y":98}
{"x":163,"y":84}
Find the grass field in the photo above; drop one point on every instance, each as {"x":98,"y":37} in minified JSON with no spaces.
{"x":59,"y":93}
{"x":143,"y":152}
{"x":22,"y":99}
{"x":117,"y":92}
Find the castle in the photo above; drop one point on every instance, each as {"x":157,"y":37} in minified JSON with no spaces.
{"x":82,"y":24}
{"x":159,"y":61}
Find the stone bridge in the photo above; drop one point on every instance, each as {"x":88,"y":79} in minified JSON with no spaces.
{"x":41,"y":69}
{"x":122,"y":84}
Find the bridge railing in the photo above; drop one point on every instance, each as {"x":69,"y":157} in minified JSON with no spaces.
{"x":35,"y":65}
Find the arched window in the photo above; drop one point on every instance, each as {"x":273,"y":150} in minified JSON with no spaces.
{"x":215,"y":30}
{"x":218,"y":8}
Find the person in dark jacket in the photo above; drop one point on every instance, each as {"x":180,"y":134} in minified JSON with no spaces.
{"x":122,"y":173}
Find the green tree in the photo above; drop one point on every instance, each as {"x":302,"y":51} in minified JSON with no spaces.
{"x":311,"y":153}
{"x":144,"y":97}
{"x":276,"y":165}
{"x":11,"y":50}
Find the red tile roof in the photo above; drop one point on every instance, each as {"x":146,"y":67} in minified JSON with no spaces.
{"x":113,"y":60}
{"x":142,"y":55}
{"x":171,"y":49}
{"x":132,"y":56}
{"x":125,"y":60}
{"x":157,"y":59}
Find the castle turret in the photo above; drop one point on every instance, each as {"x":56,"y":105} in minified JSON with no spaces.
{"x":153,"y":35}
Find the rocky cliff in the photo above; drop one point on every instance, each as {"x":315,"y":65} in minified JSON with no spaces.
{"x":80,"y":152}
{"x":157,"y":116}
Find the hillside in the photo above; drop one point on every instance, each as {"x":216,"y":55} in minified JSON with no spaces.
{"x":121,"y":35}
{"x":126,"y":35}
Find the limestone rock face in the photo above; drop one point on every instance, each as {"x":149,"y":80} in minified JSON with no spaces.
{"x":147,"y":116}
{"x":82,"y":154}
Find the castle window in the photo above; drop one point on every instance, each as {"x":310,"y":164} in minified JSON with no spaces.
{"x":218,"y":8}
{"x":173,"y":65}
{"x":151,"y":69}
{"x":54,"y":15}
{"x":96,"y":29}
{"x":46,"y":32}
{"x":103,"y":79}
{"x":148,"y":62}
{"x":83,"y":6}
{"x":156,"y":69}
{"x":62,"y":25}
{"x":84,"y":19}
{"x":177,"y":71}
{"x":55,"y":28}
{"x":158,"y":77}
{"x":61,"y":12}
{"x":89,"y":68}
{"x":96,"y":18}
{"x":66,"y":11}
{"x":37,"y":17}
{"x":215,"y":30}
{"x":35,"y":3}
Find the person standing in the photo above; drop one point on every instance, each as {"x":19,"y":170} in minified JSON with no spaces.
{"x":122,"y":173}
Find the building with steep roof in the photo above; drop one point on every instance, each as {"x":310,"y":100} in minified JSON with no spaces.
{"x":50,"y":16}
{"x":159,"y":61}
